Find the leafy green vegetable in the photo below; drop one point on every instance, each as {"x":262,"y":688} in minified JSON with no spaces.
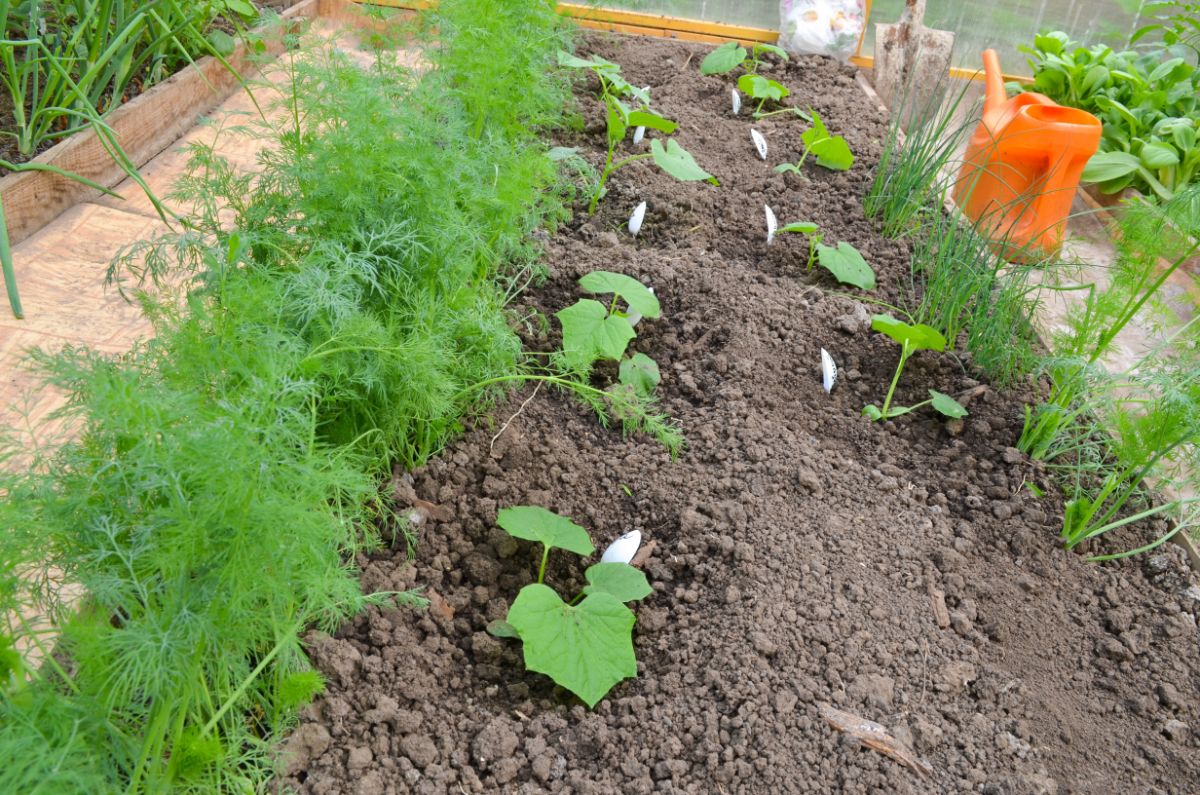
{"x":847,"y":265}
{"x":1147,"y":101}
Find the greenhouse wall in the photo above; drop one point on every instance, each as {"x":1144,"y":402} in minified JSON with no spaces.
{"x":978,"y":23}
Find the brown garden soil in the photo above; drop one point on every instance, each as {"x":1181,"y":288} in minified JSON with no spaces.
{"x":797,"y":543}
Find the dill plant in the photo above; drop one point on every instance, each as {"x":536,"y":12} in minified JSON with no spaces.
{"x":335,"y":313}
{"x":1112,"y":435}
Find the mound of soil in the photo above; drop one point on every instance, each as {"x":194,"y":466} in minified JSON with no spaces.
{"x":900,"y":571}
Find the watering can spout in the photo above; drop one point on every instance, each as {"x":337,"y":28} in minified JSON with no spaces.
{"x":996,"y":95}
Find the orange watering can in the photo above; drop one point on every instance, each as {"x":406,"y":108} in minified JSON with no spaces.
{"x":1022,"y":167}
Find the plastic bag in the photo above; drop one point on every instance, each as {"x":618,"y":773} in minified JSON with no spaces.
{"x":821,"y":27}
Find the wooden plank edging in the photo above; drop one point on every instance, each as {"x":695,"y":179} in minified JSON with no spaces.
{"x":145,"y":126}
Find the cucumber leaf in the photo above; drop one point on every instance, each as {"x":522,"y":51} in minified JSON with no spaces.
{"x":847,"y":265}
{"x":724,"y":59}
{"x":591,"y":333}
{"x":586,"y":648}
{"x":678,"y":162}
{"x":534,"y":523}
{"x":620,"y":580}
{"x":635,"y":294}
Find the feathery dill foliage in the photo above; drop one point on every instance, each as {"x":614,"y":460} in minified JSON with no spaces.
{"x":336,"y":312}
{"x":1110,"y":435}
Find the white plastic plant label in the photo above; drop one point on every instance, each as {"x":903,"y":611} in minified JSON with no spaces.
{"x":636,"y":317}
{"x":828,"y":371}
{"x":623,"y":549}
{"x":737,"y":102}
{"x":760,"y":143}
{"x":772,"y":224}
{"x":821,"y":27}
{"x":635,"y":220}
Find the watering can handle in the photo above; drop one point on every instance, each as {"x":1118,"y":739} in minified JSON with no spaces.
{"x":996,"y":95}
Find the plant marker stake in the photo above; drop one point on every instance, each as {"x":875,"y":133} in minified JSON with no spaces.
{"x":772,"y":224}
{"x":737,"y":102}
{"x":760,"y":143}
{"x":635,"y":317}
{"x":635,"y":220}
{"x":623,"y":549}
{"x":828,"y":371}
{"x":638,"y":134}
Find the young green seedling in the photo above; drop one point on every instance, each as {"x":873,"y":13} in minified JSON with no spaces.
{"x":730,"y":56}
{"x":617,"y":93}
{"x":911,"y":338}
{"x":585,"y":645}
{"x":846,"y":264}
{"x":609,"y":75}
{"x":592,"y":331}
{"x":805,"y":228}
{"x":830,"y":151}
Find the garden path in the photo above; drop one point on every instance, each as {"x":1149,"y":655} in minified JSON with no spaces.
{"x":61,"y":268}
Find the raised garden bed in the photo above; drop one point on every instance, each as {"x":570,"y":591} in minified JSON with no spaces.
{"x":145,"y":126}
{"x":901,"y":571}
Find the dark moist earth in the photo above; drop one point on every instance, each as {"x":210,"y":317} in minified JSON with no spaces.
{"x":797,"y":543}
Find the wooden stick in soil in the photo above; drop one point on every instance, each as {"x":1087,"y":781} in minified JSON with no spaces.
{"x":874,"y":736}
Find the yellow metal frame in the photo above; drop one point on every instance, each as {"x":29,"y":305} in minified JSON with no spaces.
{"x":663,"y":26}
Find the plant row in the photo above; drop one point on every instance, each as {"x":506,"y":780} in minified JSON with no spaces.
{"x":343,"y":309}
{"x":1121,"y":441}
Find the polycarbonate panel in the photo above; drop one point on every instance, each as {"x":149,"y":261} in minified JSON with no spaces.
{"x":1005,"y":24}
{"x":978,"y":24}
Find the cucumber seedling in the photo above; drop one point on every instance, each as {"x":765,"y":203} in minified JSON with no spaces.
{"x":627,"y":106}
{"x":730,"y":56}
{"x":846,"y":264}
{"x":585,"y":645}
{"x":814,"y":237}
{"x":831,"y":151}
{"x":911,"y":338}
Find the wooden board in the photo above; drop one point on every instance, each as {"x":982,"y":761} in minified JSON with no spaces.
{"x":145,"y":126}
